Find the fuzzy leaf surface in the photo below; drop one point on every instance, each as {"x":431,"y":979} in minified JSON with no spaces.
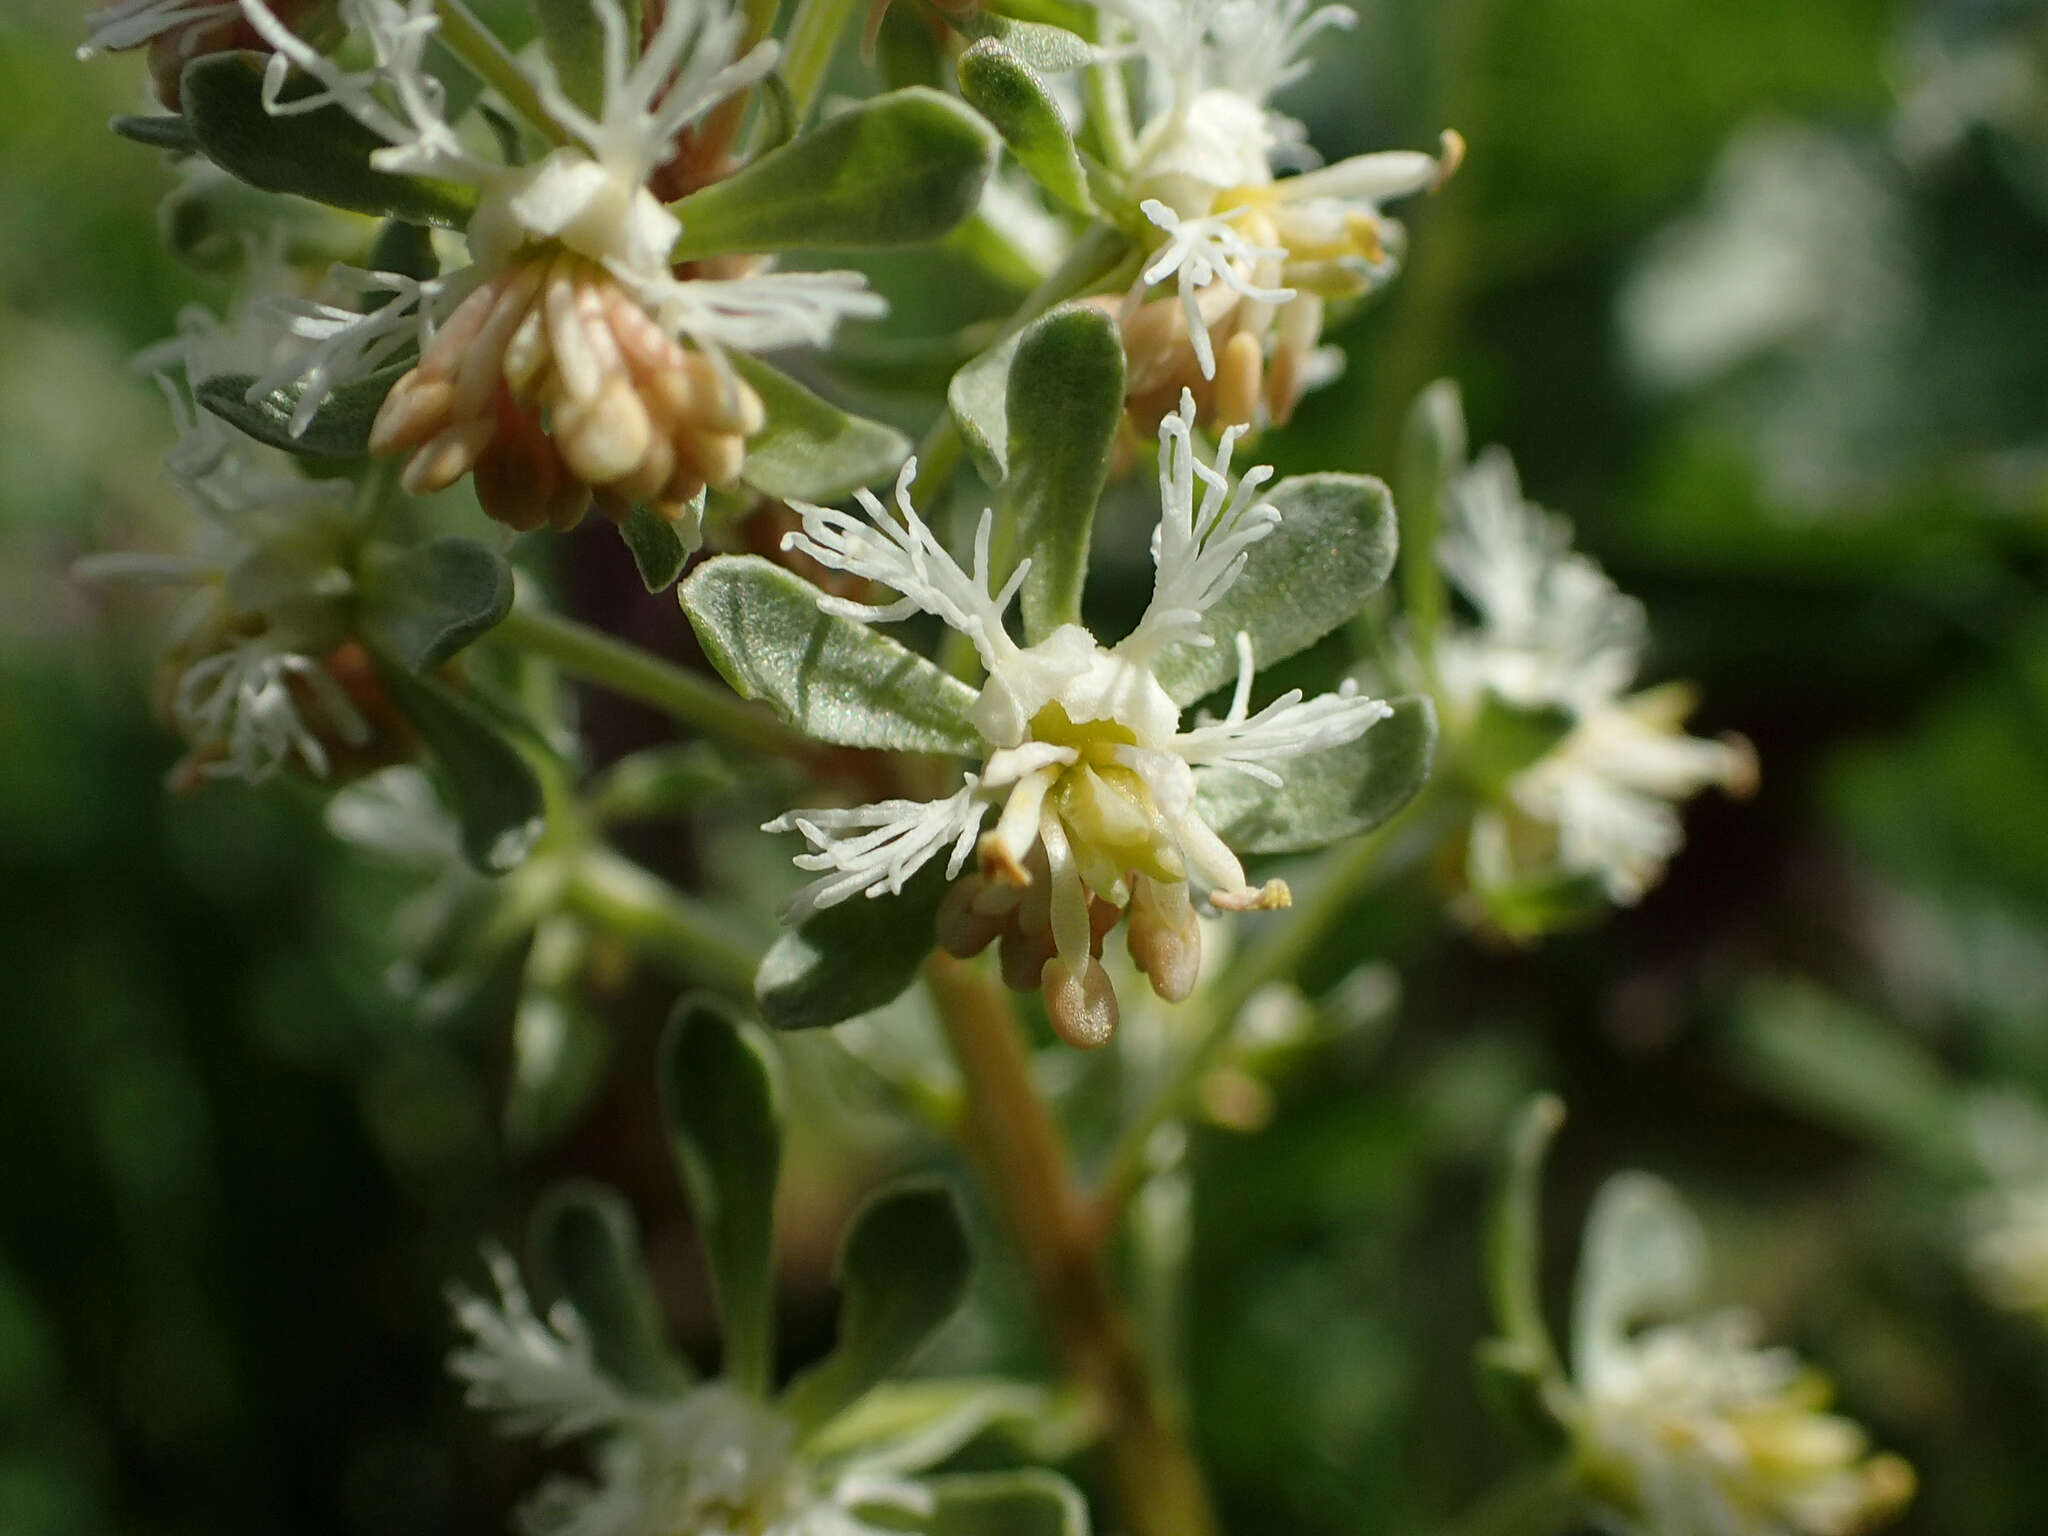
{"x":900,"y":169}
{"x":587,"y":1248}
{"x":810,"y":450}
{"x":1327,"y":795}
{"x":850,"y":959}
{"x":339,"y":429}
{"x":1332,"y":550}
{"x":835,"y":680}
{"x":431,"y":600}
{"x":658,"y":547}
{"x":1010,"y":95}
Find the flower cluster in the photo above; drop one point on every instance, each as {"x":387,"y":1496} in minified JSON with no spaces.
{"x":1252,"y":257}
{"x":1553,"y":633}
{"x":1090,"y":773}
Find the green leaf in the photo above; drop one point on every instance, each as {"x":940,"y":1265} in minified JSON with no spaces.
{"x":1332,"y":550}
{"x":172,"y":133}
{"x":1048,"y":49}
{"x":1336,"y":793}
{"x":1505,"y":738}
{"x":574,"y":43}
{"x":896,"y":170}
{"x":663,"y":781}
{"x":323,"y":154}
{"x":902,"y":1271}
{"x":1066,"y":386}
{"x":339,"y":429}
{"x":722,"y":1095}
{"x":832,"y":678}
{"x":978,"y":395}
{"x":1010,"y":95}
{"x":405,"y":248}
{"x":810,"y":450}
{"x":852,"y":958}
{"x":660,"y":550}
{"x":488,"y":783}
{"x":423,"y":604}
{"x":559,"y":1054}
{"x":905,"y":1426}
{"x":1029,"y":1501}
{"x":587,"y":1249}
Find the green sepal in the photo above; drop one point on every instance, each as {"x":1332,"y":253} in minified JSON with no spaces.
{"x":487,"y":781}
{"x":809,"y":449}
{"x":1027,"y":1501}
{"x":586,"y":1247}
{"x":851,"y":958}
{"x":1325,"y":796}
{"x":424,"y":603}
{"x":1503,"y":739}
{"x":902,"y":1270}
{"x":574,"y":43}
{"x":1010,"y":95}
{"x":323,"y":154}
{"x":1331,"y":551}
{"x":1066,"y":393}
{"x":899,"y":169}
{"x":832,"y":678}
{"x":159,"y":132}
{"x":659,"y":546}
{"x":721,"y":1091}
{"x":339,"y":429}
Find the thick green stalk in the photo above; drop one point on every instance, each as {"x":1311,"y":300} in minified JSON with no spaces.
{"x":596,"y":657}
{"x":492,"y":62}
{"x":1158,"y":1484}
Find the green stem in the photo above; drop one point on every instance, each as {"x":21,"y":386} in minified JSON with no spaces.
{"x":687,"y":936}
{"x":596,"y":657}
{"x":807,"y":53}
{"x":492,"y":62}
{"x":1536,"y":1501}
{"x":1157,"y":1482}
{"x":1280,"y":953}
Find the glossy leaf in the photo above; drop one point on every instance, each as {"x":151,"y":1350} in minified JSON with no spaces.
{"x":1010,"y":95}
{"x":1332,"y":551}
{"x":810,"y":450}
{"x":323,"y":154}
{"x":661,"y":546}
{"x":427,"y":602}
{"x":852,"y":958}
{"x":1336,"y":793}
{"x":832,"y":678}
{"x":721,"y":1092}
{"x":899,"y":169}
{"x":1066,"y":394}
{"x":902,"y":1271}
{"x":488,"y":783}
{"x":339,"y":429}
{"x":587,"y":1249}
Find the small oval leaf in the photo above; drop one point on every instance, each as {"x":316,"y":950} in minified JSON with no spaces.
{"x":852,"y":958}
{"x":339,"y":429}
{"x":587,"y":1250}
{"x":902,"y":1271}
{"x":662,"y":546}
{"x":835,"y":680}
{"x":722,"y":1095}
{"x":896,"y":170}
{"x":1332,"y":550}
{"x":323,"y":154}
{"x":1336,"y":793}
{"x":423,"y":604}
{"x":810,"y":450}
{"x":1011,"y":96}
{"x":488,"y":783}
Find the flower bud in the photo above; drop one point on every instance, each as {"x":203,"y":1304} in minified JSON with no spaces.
{"x":1082,"y":1009}
{"x":1165,"y":937}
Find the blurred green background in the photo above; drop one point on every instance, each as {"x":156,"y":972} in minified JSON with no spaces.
{"x":1756,"y":290}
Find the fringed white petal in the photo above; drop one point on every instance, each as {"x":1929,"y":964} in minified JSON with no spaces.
{"x":873,"y":850}
{"x":1201,"y":251}
{"x":538,"y":1375}
{"x":240,"y":702}
{"x":757,"y":313}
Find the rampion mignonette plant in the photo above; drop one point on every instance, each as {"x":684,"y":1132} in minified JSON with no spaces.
{"x":624,"y":254}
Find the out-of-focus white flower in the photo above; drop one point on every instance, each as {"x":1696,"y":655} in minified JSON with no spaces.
{"x":1089,"y":770}
{"x":269,"y":564}
{"x":708,"y":1460}
{"x":1553,"y":631}
{"x":1688,"y":1428}
{"x":2007,"y":1222}
{"x":568,"y":356}
{"x":1251,"y":255}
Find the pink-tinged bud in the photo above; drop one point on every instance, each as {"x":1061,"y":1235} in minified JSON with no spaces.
{"x":1082,"y":1009}
{"x":1165,"y":938}
{"x":963,"y":930}
{"x":1024,"y":954}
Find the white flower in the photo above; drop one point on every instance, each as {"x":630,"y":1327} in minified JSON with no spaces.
{"x":1688,"y":1428}
{"x":570,"y":308}
{"x":1554,"y":632}
{"x":708,"y":1460}
{"x":269,"y":569}
{"x":1089,"y":771}
{"x":1205,"y":173}
{"x":2007,"y":1222}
